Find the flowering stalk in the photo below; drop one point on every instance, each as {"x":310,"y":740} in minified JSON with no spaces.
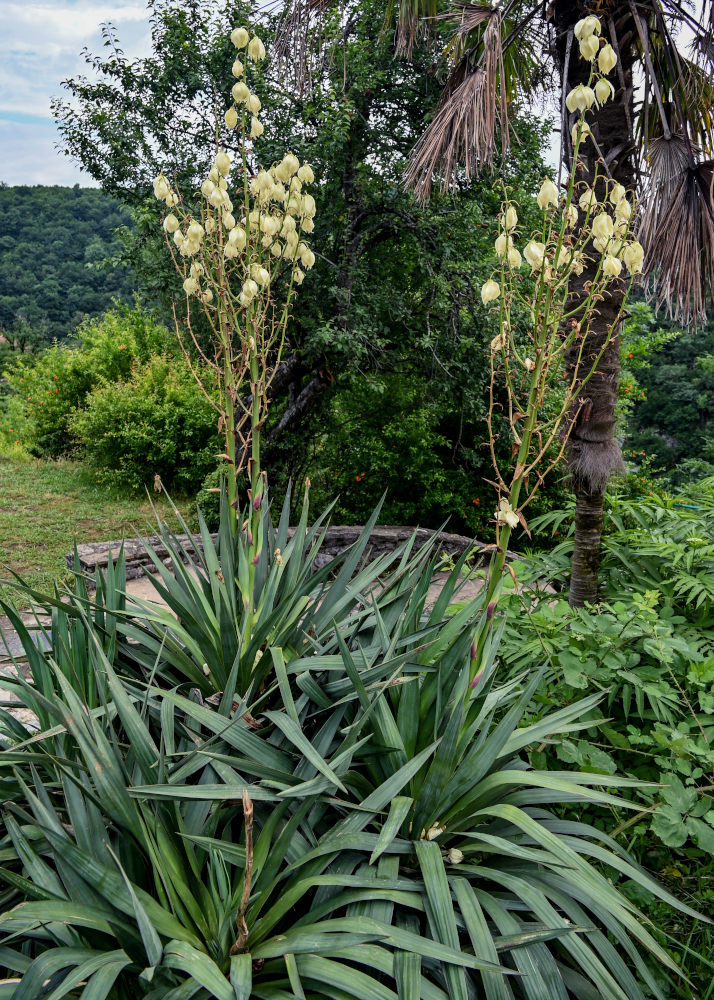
{"x":231,"y":261}
{"x":528,"y":360}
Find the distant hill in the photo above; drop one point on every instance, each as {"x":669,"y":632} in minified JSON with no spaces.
{"x":51,"y":238}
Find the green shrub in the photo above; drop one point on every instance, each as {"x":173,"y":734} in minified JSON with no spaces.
{"x":155,"y":422}
{"x":54,"y":384}
{"x":323,"y":808}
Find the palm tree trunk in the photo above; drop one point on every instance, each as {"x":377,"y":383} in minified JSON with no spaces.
{"x":593,"y":454}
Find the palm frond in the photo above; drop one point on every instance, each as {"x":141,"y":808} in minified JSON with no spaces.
{"x":461,"y":135}
{"x":680,"y":239}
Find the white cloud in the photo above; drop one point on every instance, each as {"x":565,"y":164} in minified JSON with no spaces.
{"x":40,"y":45}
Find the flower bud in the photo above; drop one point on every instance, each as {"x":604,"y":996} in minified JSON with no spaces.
{"x":240,"y":92}
{"x":256,"y":49}
{"x":223,"y":163}
{"x":571,"y":216}
{"x":611,"y":266}
{"x":171,"y":223}
{"x":178,"y":237}
{"x":502,"y":244}
{"x":207,"y":188}
{"x":253,"y":104}
{"x":535,"y":254}
{"x":228,"y":220}
{"x":514,"y":258}
{"x":587,"y":26}
{"x":510,"y":220}
{"x":171,"y":199}
{"x":305,"y":174}
{"x":617,"y":193}
{"x":455,"y":856}
{"x":581,"y":98}
{"x":256,"y":128}
{"x":231,"y":117}
{"x":633,"y":256}
{"x":237,"y":68}
{"x":250,"y":288}
{"x":607,"y":60}
{"x":548,"y":194}
{"x":490,"y":290}
{"x":161,"y":187}
{"x":604,"y":90}
{"x":260,"y":275}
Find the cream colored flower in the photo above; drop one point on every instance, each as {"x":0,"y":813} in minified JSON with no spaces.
{"x":633,"y":256}
{"x":581,"y":98}
{"x":210,"y":225}
{"x":503,"y":244}
{"x":433,"y":832}
{"x":195,"y":231}
{"x":510,"y":219}
{"x":581,"y":131}
{"x":307,"y":257}
{"x":250,"y":288}
{"x":529,"y":364}
{"x":588,"y":201}
{"x":571,"y":217}
{"x":607,"y":60}
{"x":237,"y":68}
{"x":548,"y":194}
{"x":161,"y":187}
{"x":298,"y":276}
{"x":237,"y":238}
{"x":231,"y":117}
{"x":240,"y":92}
{"x":260,"y":275}
{"x":240,"y":37}
{"x":587,"y":26}
{"x":611,"y":266}
{"x":207,"y":296}
{"x":604,"y":90}
{"x":223,"y":163}
{"x":602,"y":226}
{"x":178,"y":238}
{"x":589,"y":47}
{"x":498,"y":343}
{"x":623,"y":210}
{"x":506,"y":514}
{"x":228,"y":220}
{"x":454,"y":856}
{"x":490,"y":290}
{"x":190,"y":286}
{"x":617,"y":193}
{"x":253,"y":103}
{"x":305,"y":174}
{"x":514,"y":258}
{"x":256,"y":128}
{"x":171,"y":223}
{"x":535,"y":254}
{"x":307,"y":206}
{"x":229,"y":251}
{"x":256,"y":49}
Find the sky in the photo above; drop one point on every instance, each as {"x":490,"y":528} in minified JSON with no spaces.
{"x":41,"y":45}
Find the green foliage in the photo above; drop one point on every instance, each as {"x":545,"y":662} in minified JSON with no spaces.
{"x":54,"y":240}
{"x":335,"y":812}
{"x":54,"y":384}
{"x":155,"y":422}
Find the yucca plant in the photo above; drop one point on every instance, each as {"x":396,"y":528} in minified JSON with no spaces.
{"x":359,"y":822}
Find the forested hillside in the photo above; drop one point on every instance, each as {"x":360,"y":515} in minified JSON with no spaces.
{"x":53,"y":244}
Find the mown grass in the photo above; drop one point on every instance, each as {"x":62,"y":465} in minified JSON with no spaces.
{"x":46,"y":505}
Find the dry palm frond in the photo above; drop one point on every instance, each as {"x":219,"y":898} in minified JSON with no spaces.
{"x":461,"y":135}
{"x":680,"y":242}
{"x":410,"y":16}
{"x":298,"y":34}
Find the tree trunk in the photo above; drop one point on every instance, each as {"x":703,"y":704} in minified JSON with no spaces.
{"x":592,"y":452}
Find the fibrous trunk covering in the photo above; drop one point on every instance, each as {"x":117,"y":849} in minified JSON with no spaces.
{"x":592,"y":453}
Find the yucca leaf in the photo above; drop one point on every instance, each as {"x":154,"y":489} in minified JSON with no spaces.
{"x":198,"y":966}
{"x":407,"y":973}
{"x":494,"y":983}
{"x":321,"y":972}
{"x":292,"y":731}
{"x":241,"y":976}
{"x":398,"y":810}
{"x":442,"y":919}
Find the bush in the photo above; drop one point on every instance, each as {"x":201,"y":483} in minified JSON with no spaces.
{"x":320,"y":805}
{"x":53,"y":385}
{"x":156,"y":422}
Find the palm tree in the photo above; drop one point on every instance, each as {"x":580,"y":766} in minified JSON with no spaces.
{"x":654,"y":136}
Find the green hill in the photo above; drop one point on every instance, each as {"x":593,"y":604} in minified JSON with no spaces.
{"x":53,"y":241}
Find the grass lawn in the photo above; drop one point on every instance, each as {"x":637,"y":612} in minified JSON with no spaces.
{"x":45,"y":505}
